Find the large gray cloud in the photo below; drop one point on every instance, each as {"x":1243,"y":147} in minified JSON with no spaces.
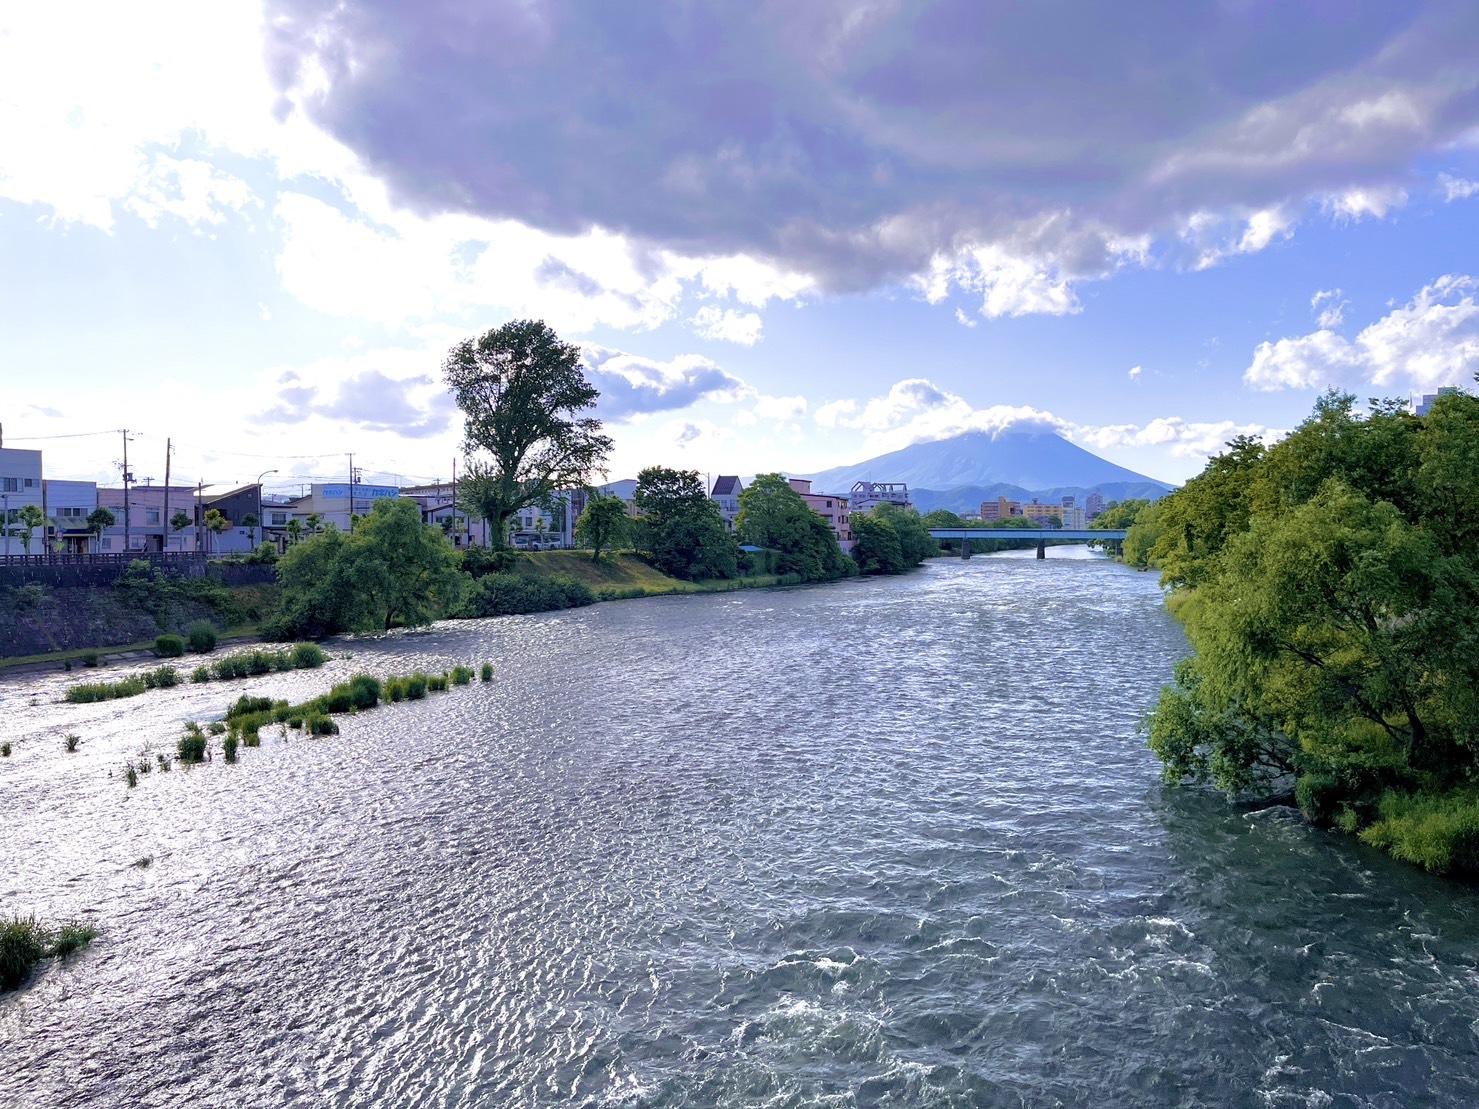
{"x":634,"y":386}
{"x":855,"y":141}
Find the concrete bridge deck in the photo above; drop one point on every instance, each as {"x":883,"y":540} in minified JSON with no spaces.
{"x":1040,"y":535}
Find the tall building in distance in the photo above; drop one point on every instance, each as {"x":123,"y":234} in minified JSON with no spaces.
{"x":1093,"y":505}
{"x":867,"y":494}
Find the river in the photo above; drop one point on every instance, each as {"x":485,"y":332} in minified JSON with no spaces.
{"x":883,"y":842}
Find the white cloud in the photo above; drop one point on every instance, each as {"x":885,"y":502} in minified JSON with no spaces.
{"x":1457,"y":188}
{"x":1329,"y":308}
{"x":780,"y":408}
{"x":1183,"y":438}
{"x":1135,"y":372}
{"x":632,"y":386}
{"x":962,"y":319}
{"x":1357,"y":204}
{"x":834,"y":412}
{"x":1432,"y":340}
{"x":727,"y":324}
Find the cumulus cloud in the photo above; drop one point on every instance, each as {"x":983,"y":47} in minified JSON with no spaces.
{"x":780,"y":408}
{"x":964,"y":320}
{"x":1432,"y":340}
{"x":857,"y":145}
{"x":416,"y":407}
{"x":1329,"y":308}
{"x":727,"y":324}
{"x":1135,"y":372}
{"x":632,"y":386}
{"x":1457,"y":188}
{"x":1184,"y":438}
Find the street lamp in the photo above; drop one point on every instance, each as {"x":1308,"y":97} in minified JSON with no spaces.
{"x":260,"y":476}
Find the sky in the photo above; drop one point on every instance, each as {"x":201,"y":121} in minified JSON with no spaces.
{"x":785,"y":236}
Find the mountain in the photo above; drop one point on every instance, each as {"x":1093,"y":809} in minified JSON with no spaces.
{"x":960,"y":473}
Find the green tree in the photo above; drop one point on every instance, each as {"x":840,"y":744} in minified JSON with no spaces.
{"x":876,"y":547}
{"x":683,"y":528}
{"x":31,"y":517}
{"x":100,"y":520}
{"x":216,"y":522}
{"x":603,"y":525}
{"x":180,"y":521}
{"x":915,"y":542}
{"x":773,"y":515}
{"x":313,"y":523}
{"x":295,"y":531}
{"x":527,"y":430}
{"x":392,"y":570}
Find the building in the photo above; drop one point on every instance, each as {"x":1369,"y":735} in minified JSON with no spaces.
{"x":337,"y":502}
{"x":726,"y":494}
{"x":439,"y":507}
{"x":1093,"y":505}
{"x":144,"y":518}
{"x":1425,"y":405}
{"x":832,"y":507}
{"x":1043,"y":513}
{"x":1001,"y":509}
{"x":20,"y":485}
{"x":866,"y":495}
{"x":68,"y":504}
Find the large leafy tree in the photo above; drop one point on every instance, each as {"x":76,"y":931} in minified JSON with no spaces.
{"x":528,"y":431}
{"x":31,"y":517}
{"x":773,"y":515}
{"x":100,"y":520}
{"x":683,"y":529}
{"x":391,"y":570}
{"x":915,"y":542}
{"x":876,"y":547}
{"x":603,"y":525}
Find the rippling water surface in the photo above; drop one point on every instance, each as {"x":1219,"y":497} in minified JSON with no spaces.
{"x":879,"y":843}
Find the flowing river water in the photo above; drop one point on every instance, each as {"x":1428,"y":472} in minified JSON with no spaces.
{"x":884,"y":842}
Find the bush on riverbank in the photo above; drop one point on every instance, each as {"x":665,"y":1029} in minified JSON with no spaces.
{"x":25,"y":942}
{"x":512,"y":594}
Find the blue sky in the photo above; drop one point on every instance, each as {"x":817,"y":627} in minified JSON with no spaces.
{"x":786,"y":236}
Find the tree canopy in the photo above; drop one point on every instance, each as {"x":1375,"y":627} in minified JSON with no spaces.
{"x":527,"y":429}
{"x":392,"y":570}
{"x":773,"y":515}
{"x":1330,"y":586}
{"x":603,"y":525}
{"x":681,"y":527}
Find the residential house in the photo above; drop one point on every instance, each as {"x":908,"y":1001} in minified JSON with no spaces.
{"x":832,"y":507}
{"x":142,"y":522}
{"x":20,"y":485}
{"x":68,"y":504}
{"x":726,"y":494}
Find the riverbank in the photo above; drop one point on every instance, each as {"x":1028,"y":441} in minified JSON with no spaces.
{"x":47,"y":615}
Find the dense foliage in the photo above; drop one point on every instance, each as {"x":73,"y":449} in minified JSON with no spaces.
{"x":528,"y":431}
{"x":390,"y":570}
{"x":681,"y":527}
{"x":1330,"y":585}
{"x":773,"y":515}
{"x":511,"y":594}
{"x":603,"y":525}
{"x":890,"y":540}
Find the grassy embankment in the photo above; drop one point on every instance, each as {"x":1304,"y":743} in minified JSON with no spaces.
{"x":622,"y":576}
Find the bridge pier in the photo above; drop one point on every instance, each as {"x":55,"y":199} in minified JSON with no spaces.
{"x":1042,"y":548}
{"x":965,"y":548}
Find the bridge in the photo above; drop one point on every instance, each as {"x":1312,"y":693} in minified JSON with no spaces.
{"x":1042,"y":535}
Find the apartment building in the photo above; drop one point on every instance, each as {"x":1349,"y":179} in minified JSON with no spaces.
{"x":832,"y":507}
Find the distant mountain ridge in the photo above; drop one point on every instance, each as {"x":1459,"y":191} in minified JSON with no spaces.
{"x":959,"y":473}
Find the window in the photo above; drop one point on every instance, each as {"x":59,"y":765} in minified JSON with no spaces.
{"x":107,"y":543}
{"x":279,"y":519}
{"x":9,"y":485}
{"x":30,"y":483}
{"x":69,"y":512}
{"x":151,"y":516}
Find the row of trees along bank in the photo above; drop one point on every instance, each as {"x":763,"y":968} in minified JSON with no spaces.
{"x":1330,"y":586}
{"x":529,"y":433}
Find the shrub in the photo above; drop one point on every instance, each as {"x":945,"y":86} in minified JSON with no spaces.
{"x":247,"y":705}
{"x":480,"y":561}
{"x":437,"y":683}
{"x":228,"y":748}
{"x":512,"y":594}
{"x":461,"y":675}
{"x":1439,"y":832}
{"x":215,"y":727}
{"x":133,"y":776}
{"x":202,"y":636}
{"x":192,"y":745}
{"x":487,"y":672}
{"x":316,"y":723}
{"x":89,"y":658}
{"x":308,"y":656}
{"x":88,"y":692}
{"x":200,"y":674}
{"x":416,"y":686}
{"x":163,"y":677}
{"x":169,"y":646}
{"x":22,"y":946}
{"x":71,"y":740}
{"x":5,"y":750}
{"x":70,"y":938}
{"x":395,"y":689}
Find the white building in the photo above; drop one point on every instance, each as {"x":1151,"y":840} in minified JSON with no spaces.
{"x":867,"y":495}
{"x":20,"y":485}
{"x":68,"y":504}
{"x":335,"y":502}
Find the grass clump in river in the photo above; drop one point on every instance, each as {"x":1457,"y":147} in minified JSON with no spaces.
{"x":193,"y":745}
{"x":486,"y":674}
{"x":24,"y":942}
{"x":163,"y":677}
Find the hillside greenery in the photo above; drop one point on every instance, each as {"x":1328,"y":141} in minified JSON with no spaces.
{"x":1330,"y":586}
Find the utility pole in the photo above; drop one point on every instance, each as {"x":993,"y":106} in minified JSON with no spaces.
{"x":454,"y":502}
{"x":164,"y":534}
{"x":199,"y":519}
{"x":127,"y":478}
{"x":349,"y":516}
